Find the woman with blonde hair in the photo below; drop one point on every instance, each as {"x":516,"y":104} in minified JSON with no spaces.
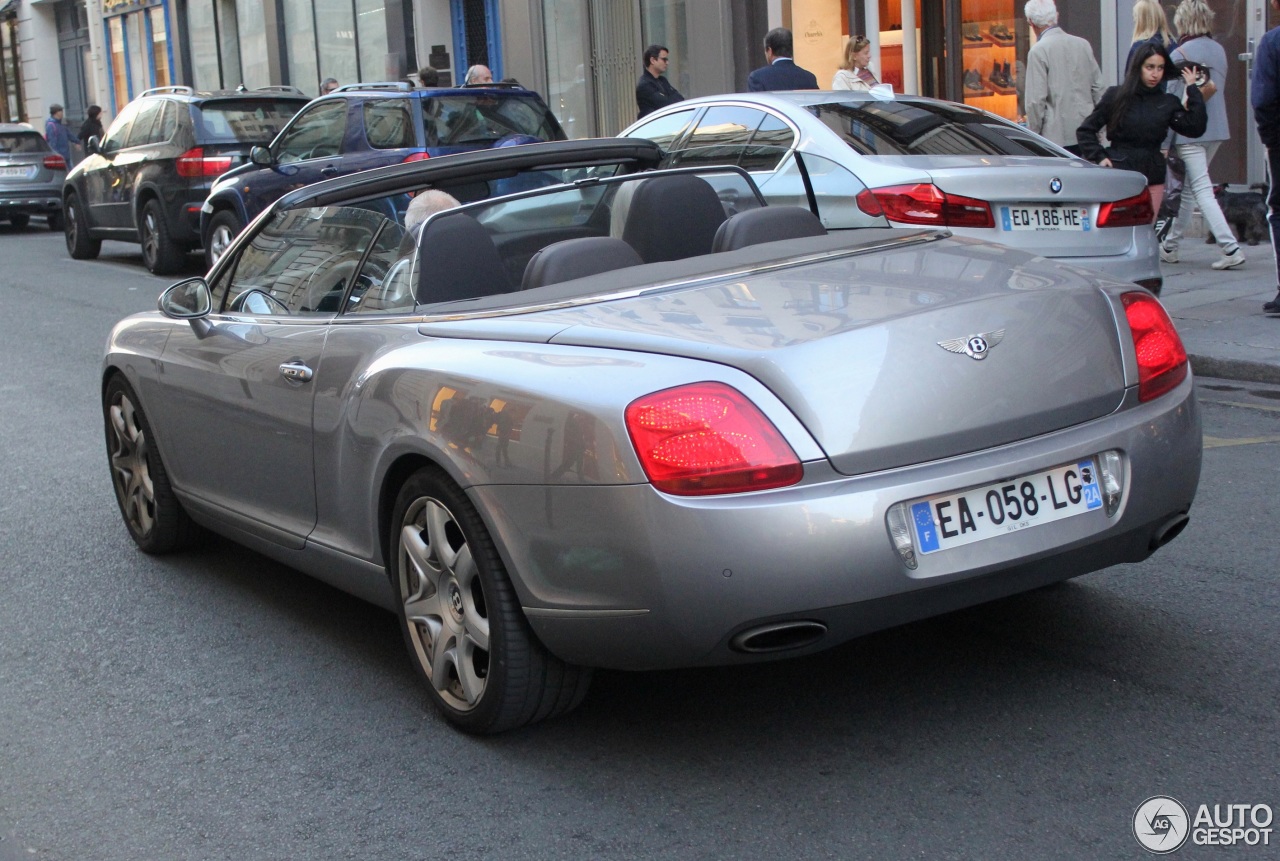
{"x":855,"y":72}
{"x":1196,"y":45}
{"x":1149,"y":25}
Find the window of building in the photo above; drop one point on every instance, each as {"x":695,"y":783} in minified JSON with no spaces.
{"x":666,"y":22}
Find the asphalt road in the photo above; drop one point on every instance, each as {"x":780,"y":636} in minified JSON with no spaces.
{"x":216,"y":705}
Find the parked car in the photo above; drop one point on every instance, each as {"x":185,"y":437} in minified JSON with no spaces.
{"x":31,"y":176}
{"x":638,"y":419}
{"x":362,"y":126}
{"x":922,"y":162}
{"x":147,"y":178}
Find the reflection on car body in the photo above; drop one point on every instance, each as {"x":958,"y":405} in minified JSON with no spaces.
{"x":566,"y":443}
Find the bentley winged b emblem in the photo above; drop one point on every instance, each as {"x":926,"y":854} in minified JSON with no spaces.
{"x":974,"y":346}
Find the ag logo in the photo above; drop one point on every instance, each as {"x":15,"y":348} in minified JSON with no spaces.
{"x":1160,"y":823}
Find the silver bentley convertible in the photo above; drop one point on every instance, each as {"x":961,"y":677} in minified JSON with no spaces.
{"x":597,"y":414}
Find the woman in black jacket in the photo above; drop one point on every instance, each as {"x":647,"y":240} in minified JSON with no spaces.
{"x":91,"y":126}
{"x":1138,"y":115}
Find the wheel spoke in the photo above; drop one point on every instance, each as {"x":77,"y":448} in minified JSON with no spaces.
{"x":437,"y":522}
{"x":444,"y":656}
{"x":472,"y":684}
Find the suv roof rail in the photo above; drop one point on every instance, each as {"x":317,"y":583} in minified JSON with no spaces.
{"x":180,"y":90}
{"x":377,"y":85}
{"x":279,"y":88}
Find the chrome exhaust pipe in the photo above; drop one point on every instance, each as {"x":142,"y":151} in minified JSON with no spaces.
{"x":1169,"y":530}
{"x":778,"y":637}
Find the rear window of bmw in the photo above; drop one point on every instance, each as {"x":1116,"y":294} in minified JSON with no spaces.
{"x":913,"y":128}
{"x":250,"y":121}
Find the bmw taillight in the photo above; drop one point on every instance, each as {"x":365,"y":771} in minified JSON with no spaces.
{"x":1162,"y":360}
{"x":1135,"y":211}
{"x":55,"y":162}
{"x":194,"y":163}
{"x":925,"y":203}
{"x":707,"y":438}
{"x":415,"y":156}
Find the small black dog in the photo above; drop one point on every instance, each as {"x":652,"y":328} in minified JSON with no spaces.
{"x":1246,"y":212}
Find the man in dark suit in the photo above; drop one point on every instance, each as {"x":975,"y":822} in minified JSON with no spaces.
{"x":782,"y":73}
{"x":654,"y":91}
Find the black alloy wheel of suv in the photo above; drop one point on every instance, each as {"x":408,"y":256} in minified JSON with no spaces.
{"x":148,"y":176}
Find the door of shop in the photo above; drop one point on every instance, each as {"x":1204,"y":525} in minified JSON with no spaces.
{"x":73,"y":46}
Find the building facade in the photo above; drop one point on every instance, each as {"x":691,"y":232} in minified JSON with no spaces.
{"x":582,"y":55}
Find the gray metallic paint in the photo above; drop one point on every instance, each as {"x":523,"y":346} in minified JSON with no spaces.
{"x":613,"y":573}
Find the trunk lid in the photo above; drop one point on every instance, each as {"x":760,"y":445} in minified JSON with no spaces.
{"x":853,"y":346}
{"x":1027,"y":184}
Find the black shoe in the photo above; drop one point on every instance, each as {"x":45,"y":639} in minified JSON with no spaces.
{"x":1273,"y":307}
{"x":972,"y":80}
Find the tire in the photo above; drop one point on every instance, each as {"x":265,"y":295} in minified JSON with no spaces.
{"x":55,"y":221}
{"x":76,"y":227}
{"x":152,"y":513}
{"x":484,"y":668}
{"x":160,"y":254}
{"x":223,"y":228}
{"x":20,"y":221}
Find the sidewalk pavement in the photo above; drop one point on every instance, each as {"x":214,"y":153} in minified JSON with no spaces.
{"x":1219,"y":314}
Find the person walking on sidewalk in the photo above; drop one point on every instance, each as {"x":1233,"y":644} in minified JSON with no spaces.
{"x":1194,"y":21}
{"x":1137,"y":116}
{"x":1266,"y":111}
{"x":1062,"y":80}
{"x":57,"y":135}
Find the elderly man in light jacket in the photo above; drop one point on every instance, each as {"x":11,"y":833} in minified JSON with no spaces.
{"x":1062,"y":81}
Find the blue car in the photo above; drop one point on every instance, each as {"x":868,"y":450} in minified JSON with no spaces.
{"x":361,"y":126}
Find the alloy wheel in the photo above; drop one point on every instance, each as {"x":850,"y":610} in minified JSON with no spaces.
{"x":444,"y":603}
{"x":130,"y":470}
{"x":150,"y":238}
{"x":219,"y":240}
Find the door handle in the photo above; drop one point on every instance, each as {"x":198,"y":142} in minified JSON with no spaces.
{"x":328,"y":170}
{"x":296,"y":372}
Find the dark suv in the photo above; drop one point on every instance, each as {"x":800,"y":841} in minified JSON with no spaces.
{"x":360,"y":126}
{"x":146,"y":179}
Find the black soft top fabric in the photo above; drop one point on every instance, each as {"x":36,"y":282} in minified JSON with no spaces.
{"x":676,"y":271}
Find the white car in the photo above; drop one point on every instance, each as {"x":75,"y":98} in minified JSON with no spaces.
{"x":858,"y":159}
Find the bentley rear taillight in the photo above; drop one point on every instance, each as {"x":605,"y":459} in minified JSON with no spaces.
{"x":1162,"y":360}
{"x":707,"y":438}
{"x":1133,"y":211}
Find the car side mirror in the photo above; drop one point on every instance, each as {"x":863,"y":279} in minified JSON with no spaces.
{"x":186,"y":300}
{"x":93,"y":144}
{"x":260,"y":155}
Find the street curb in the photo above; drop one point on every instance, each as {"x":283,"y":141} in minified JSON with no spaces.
{"x":1235,"y":369}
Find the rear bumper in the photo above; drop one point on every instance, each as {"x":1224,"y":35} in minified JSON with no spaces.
{"x":30,"y":203}
{"x":628,"y":578}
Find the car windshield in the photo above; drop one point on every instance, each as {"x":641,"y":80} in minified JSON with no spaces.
{"x":22,"y":142}
{"x":485,"y":118}
{"x":926,"y":128}
{"x":245,"y":121}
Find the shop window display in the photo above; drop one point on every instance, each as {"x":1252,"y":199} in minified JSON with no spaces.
{"x":992,"y":46}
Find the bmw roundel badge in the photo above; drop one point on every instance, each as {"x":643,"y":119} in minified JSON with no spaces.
{"x":1055,"y":185}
